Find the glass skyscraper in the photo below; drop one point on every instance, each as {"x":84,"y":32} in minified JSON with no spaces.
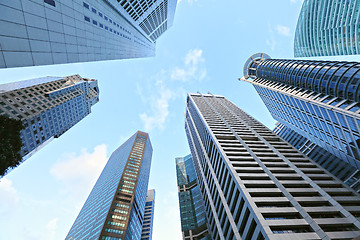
{"x":192,"y":209}
{"x":339,"y":168}
{"x":317,"y":99}
{"x":255,"y":185}
{"x":147,"y":228}
{"x":115,"y":207}
{"x":327,"y":28}
{"x":47,"y":107}
{"x":47,"y":32}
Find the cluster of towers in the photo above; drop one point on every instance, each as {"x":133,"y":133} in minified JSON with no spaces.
{"x":300,"y":180}
{"x":34,"y":112}
{"x":241,"y":180}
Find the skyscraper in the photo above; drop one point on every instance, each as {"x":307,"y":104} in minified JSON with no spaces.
{"x":257,"y":186}
{"x":339,"y":168}
{"x":147,"y":228}
{"x":52,"y":32}
{"x":317,"y":99}
{"x":327,"y":28}
{"x":192,"y":209}
{"x":115,"y":207}
{"x":47,"y":107}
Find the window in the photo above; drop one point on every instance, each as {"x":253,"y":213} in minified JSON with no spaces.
{"x":100,"y":14}
{"x":94,"y":22}
{"x":87,"y":18}
{"x":86,"y":5}
{"x":93,"y":10}
{"x":50,"y":2}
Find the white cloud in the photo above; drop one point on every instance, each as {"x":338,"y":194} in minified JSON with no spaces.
{"x":283,"y":30}
{"x":80,"y":172}
{"x":193,"y":67}
{"x":160,"y":94}
{"x":9,"y":197}
{"x":159,"y":106}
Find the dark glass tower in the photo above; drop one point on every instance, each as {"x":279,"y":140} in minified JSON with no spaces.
{"x":317,"y":99}
{"x":255,"y":185}
{"x":115,"y":207}
{"x":192,"y":210}
{"x":341,"y":169}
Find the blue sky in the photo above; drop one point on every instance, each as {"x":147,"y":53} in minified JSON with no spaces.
{"x":203,"y":51}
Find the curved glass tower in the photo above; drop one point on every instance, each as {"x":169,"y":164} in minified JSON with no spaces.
{"x":317,"y":99}
{"x":328,"y":28}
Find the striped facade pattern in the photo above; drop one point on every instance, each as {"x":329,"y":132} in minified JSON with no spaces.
{"x":318,"y":99}
{"x":328,"y":28}
{"x":339,"y":168}
{"x":257,"y":186}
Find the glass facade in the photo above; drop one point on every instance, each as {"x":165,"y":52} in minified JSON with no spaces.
{"x":47,"y":106}
{"x":116,"y":205}
{"x":56,"y":32}
{"x":338,"y":167}
{"x":328,"y":28}
{"x":192,"y":211}
{"x":317,"y":99}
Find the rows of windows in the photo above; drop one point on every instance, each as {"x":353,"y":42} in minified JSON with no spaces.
{"x":338,"y":79}
{"x":328,"y":128}
{"x":248,"y":170}
{"x":87,"y":19}
{"x":105,"y":18}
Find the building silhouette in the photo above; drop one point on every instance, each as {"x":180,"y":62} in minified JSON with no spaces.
{"x":327,"y":28}
{"x":255,"y":185}
{"x":116,"y":205}
{"x":53,"y":32}
{"x":192,"y":209}
{"x":317,"y":99}
{"x":47,"y":107}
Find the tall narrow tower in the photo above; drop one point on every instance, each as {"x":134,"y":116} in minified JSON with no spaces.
{"x":116,"y":205}
{"x":47,"y":107}
{"x":256,"y":185}
{"x":317,"y":99}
